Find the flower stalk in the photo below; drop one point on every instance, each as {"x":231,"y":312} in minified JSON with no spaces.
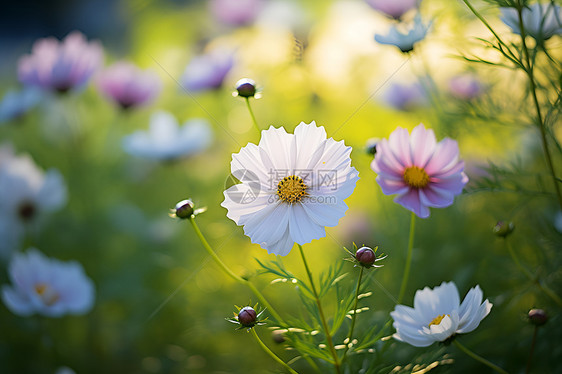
{"x":479,"y":358}
{"x":531,"y":351}
{"x":528,"y":68}
{"x":354,"y":316}
{"x":544,"y":288}
{"x":271,"y":354}
{"x":254,"y":122}
{"x":233,"y":275}
{"x":408,"y":258}
{"x":321,"y":312}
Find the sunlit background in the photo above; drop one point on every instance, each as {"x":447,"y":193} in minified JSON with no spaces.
{"x":160,"y":301}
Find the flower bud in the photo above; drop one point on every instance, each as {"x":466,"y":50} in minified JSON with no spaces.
{"x":371,"y":146}
{"x":184,"y":209}
{"x":246,"y":87}
{"x":278,"y":336}
{"x":366,"y":256}
{"x":247,"y":316}
{"x":537,"y":317}
{"x":503,"y":228}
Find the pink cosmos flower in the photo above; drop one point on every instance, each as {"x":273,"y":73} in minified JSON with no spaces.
{"x":207,"y":71}
{"x":60,"y":66}
{"x":465,"y":87}
{"x":129,"y":86}
{"x":422,"y":172}
{"x":393,"y":8}
{"x":235,"y":12}
{"x":47,"y":286}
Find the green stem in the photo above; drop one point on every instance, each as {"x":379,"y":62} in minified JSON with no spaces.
{"x":530,"y":359}
{"x":533,"y":88}
{"x":237,"y":278}
{"x":254,"y":122}
{"x":408,"y":258}
{"x":321,"y":312}
{"x":543,"y":287}
{"x":479,"y":358}
{"x":353,"y":317}
{"x":271,"y":354}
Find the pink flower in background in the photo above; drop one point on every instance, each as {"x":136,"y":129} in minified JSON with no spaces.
{"x":47,"y":286}
{"x":422,"y":172}
{"x":393,"y":8}
{"x":60,"y":66}
{"x":235,"y":12}
{"x":465,"y":87}
{"x":129,"y":86}
{"x":207,"y":71}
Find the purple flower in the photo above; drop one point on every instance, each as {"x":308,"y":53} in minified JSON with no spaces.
{"x":60,"y":66}
{"x":235,"y":12}
{"x":393,"y":8}
{"x":422,"y":172}
{"x":465,"y":87}
{"x":207,"y":71}
{"x":128,"y":85}
{"x":405,"y":96}
{"x":47,"y":286}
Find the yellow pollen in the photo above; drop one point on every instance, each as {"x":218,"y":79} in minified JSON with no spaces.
{"x":437,"y":320}
{"x":46,"y":293}
{"x":416,"y":177}
{"x":291,"y":189}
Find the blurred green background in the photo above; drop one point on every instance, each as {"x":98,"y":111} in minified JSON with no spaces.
{"x":161,"y":303}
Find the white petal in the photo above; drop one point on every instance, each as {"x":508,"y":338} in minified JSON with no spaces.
{"x":16,"y":302}
{"x":303,"y":230}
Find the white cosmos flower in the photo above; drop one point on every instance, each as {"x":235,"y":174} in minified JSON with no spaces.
{"x":293,"y":185}
{"x":166,"y":140}
{"x":47,"y":286}
{"x":405,"y":37}
{"x":27,"y":194}
{"x":541,"y":21}
{"x":438,"y":315}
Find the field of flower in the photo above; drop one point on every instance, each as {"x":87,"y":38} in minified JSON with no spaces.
{"x":281,"y":186}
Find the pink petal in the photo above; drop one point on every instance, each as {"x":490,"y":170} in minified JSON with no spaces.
{"x":400,"y":146}
{"x":444,"y":157}
{"x":423,"y":144}
{"x":411,"y":201}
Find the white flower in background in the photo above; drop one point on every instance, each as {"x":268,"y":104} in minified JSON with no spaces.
{"x":292,"y":187}
{"x":405,"y":37}
{"x":541,"y":21}
{"x":394,"y":8}
{"x":166,"y":140}
{"x":438,"y":315}
{"x":15,"y":104}
{"x":47,"y":286}
{"x":26,"y":195}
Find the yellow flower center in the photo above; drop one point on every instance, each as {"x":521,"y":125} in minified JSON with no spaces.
{"x":46,"y":293}
{"x":416,"y":177}
{"x":291,"y":189}
{"x":437,"y":320}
